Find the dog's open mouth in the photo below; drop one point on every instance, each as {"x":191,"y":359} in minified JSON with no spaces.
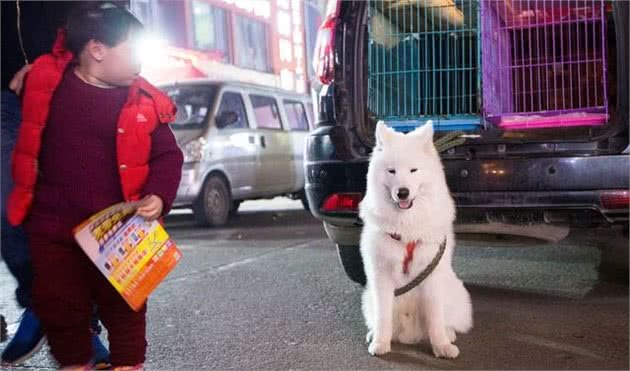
{"x":405,"y":204}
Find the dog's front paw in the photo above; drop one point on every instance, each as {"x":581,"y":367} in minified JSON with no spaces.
{"x":446,"y":351}
{"x":378,"y":348}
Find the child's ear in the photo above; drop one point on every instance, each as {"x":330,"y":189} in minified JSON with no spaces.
{"x":96,"y":50}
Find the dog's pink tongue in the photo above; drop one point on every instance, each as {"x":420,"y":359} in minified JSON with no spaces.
{"x":404,"y":204}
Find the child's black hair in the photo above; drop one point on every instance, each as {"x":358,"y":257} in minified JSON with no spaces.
{"x":100,"y":21}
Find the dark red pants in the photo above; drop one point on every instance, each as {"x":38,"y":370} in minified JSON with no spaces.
{"x":66,"y":284}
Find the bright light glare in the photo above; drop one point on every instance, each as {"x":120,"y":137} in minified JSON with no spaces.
{"x":151,"y":50}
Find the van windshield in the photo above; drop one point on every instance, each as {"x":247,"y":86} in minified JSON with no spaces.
{"x":193,"y":105}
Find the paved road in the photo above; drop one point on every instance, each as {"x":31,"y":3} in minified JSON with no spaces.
{"x":267,"y":292}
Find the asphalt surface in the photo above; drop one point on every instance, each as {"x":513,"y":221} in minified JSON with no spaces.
{"x":268,"y":292}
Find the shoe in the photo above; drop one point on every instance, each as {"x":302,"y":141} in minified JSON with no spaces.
{"x":27,"y":341}
{"x":101,"y":354}
{"x":138,"y":367}
{"x":3,"y":330}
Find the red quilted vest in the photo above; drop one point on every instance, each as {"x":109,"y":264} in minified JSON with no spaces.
{"x":146,"y":107}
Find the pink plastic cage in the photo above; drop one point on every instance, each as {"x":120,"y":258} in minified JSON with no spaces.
{"x":544,"y":63}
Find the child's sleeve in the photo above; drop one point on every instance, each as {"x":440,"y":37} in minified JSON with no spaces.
{"x":165,"y":167}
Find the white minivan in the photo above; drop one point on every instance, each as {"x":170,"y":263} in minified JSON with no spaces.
{"x":240,"y":142}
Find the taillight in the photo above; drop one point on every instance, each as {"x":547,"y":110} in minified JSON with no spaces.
{"x":323,"y":57}
{"x":342,"y":203}
{"x":615,"y":199}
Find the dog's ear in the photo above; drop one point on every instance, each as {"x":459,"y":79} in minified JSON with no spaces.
{"x":424,"y":133}
{"x":383,"y":134}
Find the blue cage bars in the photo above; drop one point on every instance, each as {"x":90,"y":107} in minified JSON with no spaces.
{"x":423,"y":62}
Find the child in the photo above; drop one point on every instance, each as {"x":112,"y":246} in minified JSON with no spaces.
{"x":94,"y":134}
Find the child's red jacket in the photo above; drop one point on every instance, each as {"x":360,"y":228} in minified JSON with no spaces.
{"x":133,"y":145}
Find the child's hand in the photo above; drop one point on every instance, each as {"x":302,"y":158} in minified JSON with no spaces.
{"x":150,"y":207}
{"x":17,"y":82}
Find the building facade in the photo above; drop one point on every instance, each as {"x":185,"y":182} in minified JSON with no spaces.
{"x":268,"y":42}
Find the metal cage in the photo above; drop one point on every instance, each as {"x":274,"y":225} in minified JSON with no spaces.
{"x":464,"y":63}
{"x":423,"y":59}
{"x":544,"y":63}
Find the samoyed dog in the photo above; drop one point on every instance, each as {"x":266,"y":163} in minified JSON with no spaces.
{"x":408,"y":217}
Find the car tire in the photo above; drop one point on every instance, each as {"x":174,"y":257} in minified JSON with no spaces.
{"x":352,"y":262}
{"x":613,"y":244}
{"x":235,"y":205}
{"x":212,"y":207}
{"x":304,"y":200}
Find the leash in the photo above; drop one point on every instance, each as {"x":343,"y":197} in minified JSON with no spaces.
{"x":424,"y":274}
{"x":450,"y":140}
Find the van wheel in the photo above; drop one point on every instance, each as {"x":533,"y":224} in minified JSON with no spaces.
{"x":212,"y":207}
{"x":352,"y":262}
{"x":235,"y":205}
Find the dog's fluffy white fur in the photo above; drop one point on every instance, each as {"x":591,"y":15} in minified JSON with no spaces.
{"x":440,"y":306}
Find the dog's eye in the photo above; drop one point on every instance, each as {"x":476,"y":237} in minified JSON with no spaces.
{"x":413,"y":170}
{"x":391,"y":171}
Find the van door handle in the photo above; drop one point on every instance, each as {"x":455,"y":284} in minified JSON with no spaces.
{"x":262,"y":141}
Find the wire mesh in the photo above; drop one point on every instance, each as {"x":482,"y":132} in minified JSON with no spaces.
{"x":544,"y":62}
{"x":538,"y":63}
{"x":423,"y":61}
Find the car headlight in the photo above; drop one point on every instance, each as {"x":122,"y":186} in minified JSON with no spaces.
{"x":194,"y":150}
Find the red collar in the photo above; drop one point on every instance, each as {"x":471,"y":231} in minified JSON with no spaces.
{"x":409,"y":249}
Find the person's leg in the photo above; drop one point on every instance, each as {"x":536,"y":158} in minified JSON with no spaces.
{"x":14,"y":248}
{"x":101,"y":353}
{"x":11,"y":117}
{"x":62,"y":299}
{"x":13,"y":244}
{"x":125,"y":327}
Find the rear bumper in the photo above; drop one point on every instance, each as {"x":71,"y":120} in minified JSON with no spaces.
{"x":580,"y":208}
{"x":523,"y":191}
{"x":575,"y":209}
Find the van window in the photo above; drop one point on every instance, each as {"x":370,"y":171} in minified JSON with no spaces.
{"x":296,"y":115}
{"x":266,"y":112}
{"x":193,"y":105}
{"x":232,"y":101}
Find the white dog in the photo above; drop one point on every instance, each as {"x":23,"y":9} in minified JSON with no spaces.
{"x":408,"y":214}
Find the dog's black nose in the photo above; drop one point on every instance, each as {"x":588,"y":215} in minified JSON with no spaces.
{"x":403,"y":193}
